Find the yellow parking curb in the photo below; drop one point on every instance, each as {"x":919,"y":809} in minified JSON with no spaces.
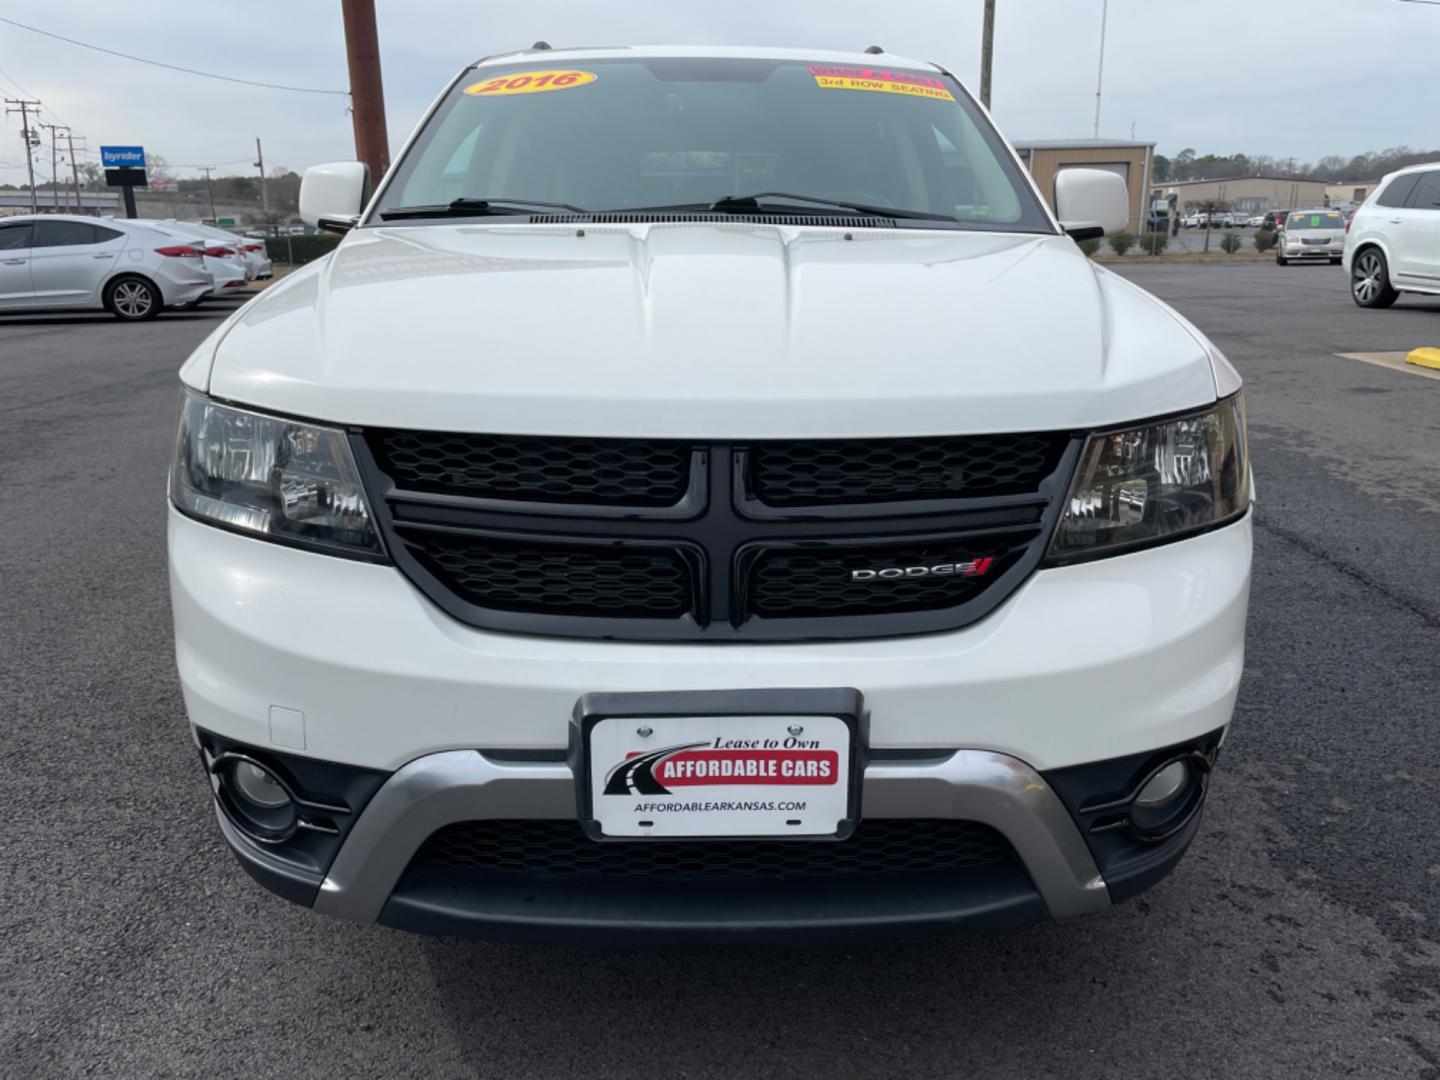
{"x":1425,"y":358}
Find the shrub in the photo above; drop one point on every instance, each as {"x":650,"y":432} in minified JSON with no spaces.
{"x":1091,"y":246}
{"x":1230,"y":243}
{"x":300,"y":249}
{"x":1121,"y":242}
{"x":1154,"y":243}
{"x":1265,"y":239}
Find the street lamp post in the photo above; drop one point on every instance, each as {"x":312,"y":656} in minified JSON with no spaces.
{"x":1100,"y":78}
{"x":987,"y":52}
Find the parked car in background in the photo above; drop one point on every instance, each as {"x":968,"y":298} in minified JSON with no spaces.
{"x":1194,"y":219}
{"x":1257,"y":221}
{"x":223,"y":261}
{"x":1392,"y":244}
{"x":251,"y":251}
{"x":1277,"y":219}
{"x":50,"y":261}
{"x":1312,"y":235}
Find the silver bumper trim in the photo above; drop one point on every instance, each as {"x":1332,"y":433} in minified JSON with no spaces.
{"x":465,"y":785}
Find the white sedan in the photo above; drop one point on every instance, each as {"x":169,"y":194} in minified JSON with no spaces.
{"x":251,"y":250}
{"x":50,"y":261}
{"x":224,"y":262}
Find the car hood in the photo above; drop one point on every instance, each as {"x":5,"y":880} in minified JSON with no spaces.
{"x":708,"y":331}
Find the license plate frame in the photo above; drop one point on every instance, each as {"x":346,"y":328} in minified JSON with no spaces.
{"x":789,"y":705}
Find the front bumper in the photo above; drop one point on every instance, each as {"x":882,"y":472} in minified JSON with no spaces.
{"x":1085,"y":678}
{"x":378,"y":873}
{"x":1328,"y":251}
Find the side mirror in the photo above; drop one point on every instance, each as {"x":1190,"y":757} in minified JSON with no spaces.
{"x":1090,"y":203}
{"x":332,"y":196}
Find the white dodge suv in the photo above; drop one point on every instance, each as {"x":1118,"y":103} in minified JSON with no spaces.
{"x":707,"y":495}
{"x":1392,"y":244}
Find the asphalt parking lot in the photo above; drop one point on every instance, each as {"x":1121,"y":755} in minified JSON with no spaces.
{"x":1300,"y":937}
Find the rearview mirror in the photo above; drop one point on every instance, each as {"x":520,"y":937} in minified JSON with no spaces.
{"x":1091,"y":203}
{"x":332,"y":196}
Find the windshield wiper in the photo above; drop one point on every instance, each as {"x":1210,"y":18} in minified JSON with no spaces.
{"x":470,"y":207}
{"x":752,"y":204}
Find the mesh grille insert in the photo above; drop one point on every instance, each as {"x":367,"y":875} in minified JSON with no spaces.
{"x":564,"y":579}
{"x":560,"y":848}
{"x":848,"y":471}
{"x":541,"y":469}
{"x":799,"y":583}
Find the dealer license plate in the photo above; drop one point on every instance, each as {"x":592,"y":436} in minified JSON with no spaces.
{"x":720,"y":776}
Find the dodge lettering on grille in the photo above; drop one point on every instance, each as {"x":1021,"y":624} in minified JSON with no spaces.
{"x":973,"y":568}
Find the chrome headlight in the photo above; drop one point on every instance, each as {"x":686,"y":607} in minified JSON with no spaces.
{"x":1145,"y":485}
{"x":274,"y":478}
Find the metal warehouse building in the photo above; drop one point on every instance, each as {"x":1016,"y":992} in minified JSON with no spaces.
{"x":1253,"y":193}
{"x":1130,"y":160}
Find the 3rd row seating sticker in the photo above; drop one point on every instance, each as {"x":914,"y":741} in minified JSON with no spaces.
{"x":531,"y":82}
{"x":881,"y":81}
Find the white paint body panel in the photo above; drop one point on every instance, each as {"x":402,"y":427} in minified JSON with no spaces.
{"x":1083,"y":663}
{"x":710,"y":331}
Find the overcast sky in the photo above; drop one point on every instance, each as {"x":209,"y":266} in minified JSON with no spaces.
{"x":1285,"y":77}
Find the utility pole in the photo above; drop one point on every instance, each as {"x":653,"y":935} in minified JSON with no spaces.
{"x":54,"y":167}
{"x":367,"y":94}
{"x":987,"y":52}
{"x":210,"y":187}
{"x":1100,"y":78}
{"x":75,"y":170}
{"x":260,"y":164}
{"x":24,"y":106}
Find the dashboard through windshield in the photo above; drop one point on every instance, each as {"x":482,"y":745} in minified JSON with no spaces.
{"x":632,"y":134}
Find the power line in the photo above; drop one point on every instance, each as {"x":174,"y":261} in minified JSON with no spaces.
{"x":24,"y":107}
{"x":172,"y":67}
{"x":28,"y":94}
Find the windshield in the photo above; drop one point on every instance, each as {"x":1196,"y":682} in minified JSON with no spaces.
{"x":1315,"y":219}
{"x":629,"y":134}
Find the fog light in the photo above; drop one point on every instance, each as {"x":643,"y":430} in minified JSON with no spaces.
{"x":1169,"y":798}
{"x":1164,"y":786}
{"x":259,"y":786}
{"x":256,"y":799}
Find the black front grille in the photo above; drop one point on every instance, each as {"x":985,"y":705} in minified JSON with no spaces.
{"x":561,"y":849}
{"x":541,"y":577}
{"x":673,"y":540}
{"x":535,"y":469}
{"x":789,"y":584}
{"x":820,"y":472}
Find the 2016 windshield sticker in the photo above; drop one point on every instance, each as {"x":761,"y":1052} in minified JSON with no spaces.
{"x":880,"y":80}
{"x":531,"y":82}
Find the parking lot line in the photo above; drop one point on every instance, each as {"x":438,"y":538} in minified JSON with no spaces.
{"x":1395,"y":361}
